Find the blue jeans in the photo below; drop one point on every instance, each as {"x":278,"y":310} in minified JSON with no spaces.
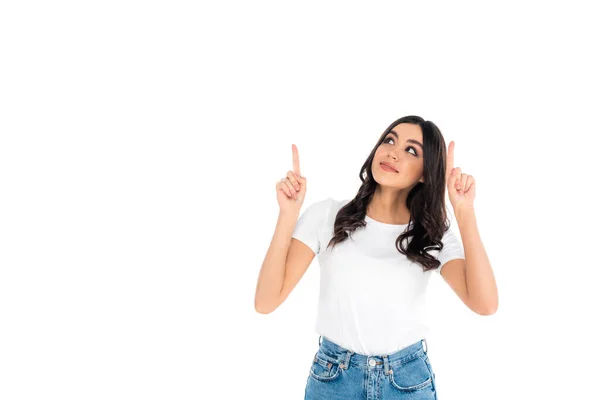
{"x":338,"y":373}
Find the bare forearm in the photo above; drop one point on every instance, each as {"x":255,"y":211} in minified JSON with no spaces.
{"x":272,"y":272}
{"x":481,"y":284}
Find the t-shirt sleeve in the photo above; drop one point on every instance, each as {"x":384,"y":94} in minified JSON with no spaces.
{"x":310,"y":225}
{"x":452,"y":249}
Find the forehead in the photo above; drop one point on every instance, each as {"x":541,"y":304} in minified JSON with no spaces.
{"x":409,"y":131}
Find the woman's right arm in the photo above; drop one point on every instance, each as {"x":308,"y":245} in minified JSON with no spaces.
{"x":287,"y":258}
{"x":272,"y":272}
{"x":285,"y":263}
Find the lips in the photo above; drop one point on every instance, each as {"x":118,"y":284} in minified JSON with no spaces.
{"x":388,"y":166}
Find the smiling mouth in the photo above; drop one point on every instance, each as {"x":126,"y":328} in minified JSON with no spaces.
{"x":387,"y":168}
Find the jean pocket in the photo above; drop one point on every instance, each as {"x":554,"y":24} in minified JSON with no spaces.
{"x":412,"y":375}
{"x":323,"y":369}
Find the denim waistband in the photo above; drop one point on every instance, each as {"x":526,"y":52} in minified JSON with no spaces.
{"x":335,"y":353}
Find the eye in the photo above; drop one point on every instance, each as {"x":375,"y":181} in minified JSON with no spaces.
{"x":409,"y":147}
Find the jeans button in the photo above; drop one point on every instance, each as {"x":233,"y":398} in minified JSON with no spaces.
{"x":371,"y":362}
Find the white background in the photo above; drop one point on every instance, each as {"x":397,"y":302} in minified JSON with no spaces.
{"x":140,"y":147}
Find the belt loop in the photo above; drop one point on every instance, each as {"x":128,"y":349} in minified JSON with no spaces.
{"x":346,"y":362}
{"x":386,"y":365}
{"x":426,"y":347}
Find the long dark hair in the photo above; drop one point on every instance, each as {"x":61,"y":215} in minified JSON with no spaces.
{"x":426,"y":201}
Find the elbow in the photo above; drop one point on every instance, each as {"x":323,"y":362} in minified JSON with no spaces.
{"x":488,"y":305}
{"x":262,"y":309}
{"x":265,"y":307}
{"x":486,"y":309}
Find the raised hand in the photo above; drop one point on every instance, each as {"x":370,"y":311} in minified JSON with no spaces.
{"x":291,"y":190}
{"x":461,"y":187}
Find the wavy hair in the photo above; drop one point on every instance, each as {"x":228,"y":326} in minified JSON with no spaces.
{"x":426,"y":201}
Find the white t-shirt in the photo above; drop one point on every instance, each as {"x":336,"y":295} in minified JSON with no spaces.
{"x":372,"y":298}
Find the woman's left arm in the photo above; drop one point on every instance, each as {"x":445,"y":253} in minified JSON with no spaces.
{"x":480,"y":291}
{"x":479,"y":277}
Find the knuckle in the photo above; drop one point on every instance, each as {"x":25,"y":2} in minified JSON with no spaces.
{"x":292,"y":178}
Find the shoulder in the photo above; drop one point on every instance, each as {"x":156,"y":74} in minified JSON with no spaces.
{"x":450,"y":244}
{"x":449,"y":236}
{"x":317,"y":210}
{"x":337,"y":204}
{"x":323,"y":204}
{"x":329,"y":204}
{"x":334,"y":206}
{"x":326,"y":208}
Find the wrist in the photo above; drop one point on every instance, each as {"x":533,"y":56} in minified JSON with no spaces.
{"x":464,"y":212}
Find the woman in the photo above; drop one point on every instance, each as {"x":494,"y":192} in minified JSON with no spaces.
{"x":376,"y":253}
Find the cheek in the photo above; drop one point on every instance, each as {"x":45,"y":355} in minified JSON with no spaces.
{"x":413,"y":170}
{"x":380,"y":153}
{"x":375,"y":158}
{"x":419,"y":174}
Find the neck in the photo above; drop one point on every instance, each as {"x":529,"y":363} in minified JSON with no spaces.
{"x":389,"y":205}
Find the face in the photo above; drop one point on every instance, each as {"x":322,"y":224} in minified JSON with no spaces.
{"x":401,"y":148}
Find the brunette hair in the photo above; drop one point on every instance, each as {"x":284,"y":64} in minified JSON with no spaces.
{"x":426,"y":201}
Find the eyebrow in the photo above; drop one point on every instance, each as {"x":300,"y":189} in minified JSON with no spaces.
{"x":408,"y":140}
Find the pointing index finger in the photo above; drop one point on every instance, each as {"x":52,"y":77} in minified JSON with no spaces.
{"x":296,"y":159}
{"x":450,"y":159}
